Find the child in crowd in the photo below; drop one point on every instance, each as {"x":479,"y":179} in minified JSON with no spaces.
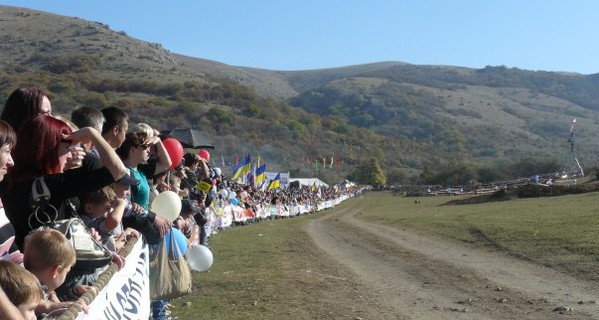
{"x":202,"y":218}
{"x":22,"y":287}
{"x":175,"y":186}
{"x":49,"y":256}
{"x":103,"y":211}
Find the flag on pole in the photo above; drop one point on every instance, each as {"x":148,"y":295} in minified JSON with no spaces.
{"x":242,"y":168}
{"x":275,"y":183}
{"x":260,"y":174}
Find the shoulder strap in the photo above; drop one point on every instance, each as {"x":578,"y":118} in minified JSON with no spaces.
{"x":42,"y":211}
{"x":40,"y":194}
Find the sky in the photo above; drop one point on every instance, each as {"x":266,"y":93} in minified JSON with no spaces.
{"x":548,"y":35}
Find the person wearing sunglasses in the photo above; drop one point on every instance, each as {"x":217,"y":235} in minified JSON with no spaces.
{"x":135,"y":153}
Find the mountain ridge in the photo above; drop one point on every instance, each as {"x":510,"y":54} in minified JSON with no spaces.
{"x":413,"y":118}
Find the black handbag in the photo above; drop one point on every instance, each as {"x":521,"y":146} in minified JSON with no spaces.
{"x":90,"y":253}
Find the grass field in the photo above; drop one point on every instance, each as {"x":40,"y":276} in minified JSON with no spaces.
{"x":264,"y":270}
{"x":558,"y":232}
{"x":260,"y":272}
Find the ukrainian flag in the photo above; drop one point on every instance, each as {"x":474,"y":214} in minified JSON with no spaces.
{"x":242,"y":168}
{"x":260,"y":174}
{"x":275,"y":183}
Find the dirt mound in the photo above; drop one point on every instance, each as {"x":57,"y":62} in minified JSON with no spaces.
{"x":528,"y":191}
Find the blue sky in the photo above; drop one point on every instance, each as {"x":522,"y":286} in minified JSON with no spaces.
{"x":548,"y":35}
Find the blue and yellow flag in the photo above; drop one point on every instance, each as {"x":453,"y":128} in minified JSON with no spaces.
{"x":260,"y":174}
{"x":275,"y":183}
{"x":242,"y":168}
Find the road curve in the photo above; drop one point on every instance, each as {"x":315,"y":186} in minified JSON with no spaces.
{"x":412,"y":276}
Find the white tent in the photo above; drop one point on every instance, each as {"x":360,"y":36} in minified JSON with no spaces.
{"x":309,"y":182}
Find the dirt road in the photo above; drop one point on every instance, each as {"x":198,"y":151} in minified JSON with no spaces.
{"x":410,"y":276}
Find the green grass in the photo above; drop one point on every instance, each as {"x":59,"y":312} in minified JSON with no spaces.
{"x":559,"y":232}
{"x":246,"y":260}
{"x":271,"y":270}
{"x":264,"y":271}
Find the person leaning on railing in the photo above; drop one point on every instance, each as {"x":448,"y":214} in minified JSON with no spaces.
{"x":47,"y":158}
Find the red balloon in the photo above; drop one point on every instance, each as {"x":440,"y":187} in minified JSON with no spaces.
{"x":174,"y":150}
{"x":204,"y":154}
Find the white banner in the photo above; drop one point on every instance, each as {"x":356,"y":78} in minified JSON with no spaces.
{"x":127,"y":294}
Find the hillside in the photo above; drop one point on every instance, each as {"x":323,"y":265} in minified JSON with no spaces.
{"x":412,"y":118}
{"x":80,"y":63}
{"x":488,"y":113}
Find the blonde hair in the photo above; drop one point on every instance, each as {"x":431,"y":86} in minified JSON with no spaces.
{"x":142,"y":129}
{"x":47,"y":248}
{"x":20,"y":285}
{"x":139,"y":134}
{"x":67,"y":121}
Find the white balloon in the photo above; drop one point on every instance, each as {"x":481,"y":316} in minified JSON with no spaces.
{"x":224,"y":193}
{"x":232,"y":194}
{"x":167,"y":204}
{"x":200,"y":257}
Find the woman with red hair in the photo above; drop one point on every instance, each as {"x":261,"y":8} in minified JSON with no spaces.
{"x":43,"y":152}
{"x":28,"y":102}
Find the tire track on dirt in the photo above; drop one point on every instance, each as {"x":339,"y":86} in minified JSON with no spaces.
{"x":424,"y":277}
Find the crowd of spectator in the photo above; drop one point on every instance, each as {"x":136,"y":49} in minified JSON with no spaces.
{"x":97,"y":167}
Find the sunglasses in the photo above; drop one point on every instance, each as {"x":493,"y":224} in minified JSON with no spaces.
{"x":142,"y":146}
